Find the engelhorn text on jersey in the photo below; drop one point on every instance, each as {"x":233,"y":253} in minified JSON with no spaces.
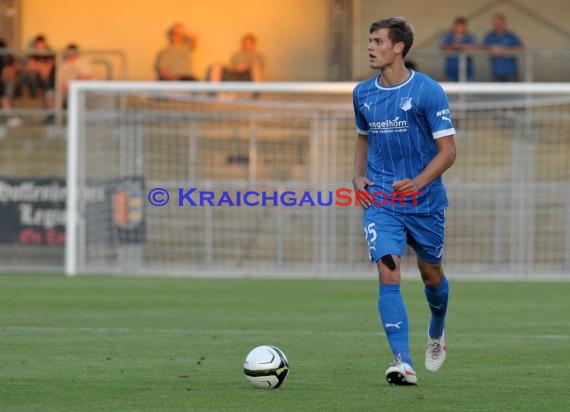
{"x":395,"y":125}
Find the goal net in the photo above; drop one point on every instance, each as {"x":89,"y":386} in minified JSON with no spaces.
{"x":242,"y":179}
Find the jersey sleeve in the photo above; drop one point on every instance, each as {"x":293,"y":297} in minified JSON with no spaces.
{"x":438,"y":113}
{"x":361,"y":123}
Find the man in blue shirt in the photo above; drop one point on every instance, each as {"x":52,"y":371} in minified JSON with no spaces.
{"x":458,"y":40}
{"x":405,"y":142}
{"x":500,"y":42}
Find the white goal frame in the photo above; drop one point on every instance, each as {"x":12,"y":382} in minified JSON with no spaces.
{"x":78,"y":87}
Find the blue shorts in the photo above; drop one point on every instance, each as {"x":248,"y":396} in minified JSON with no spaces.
{"x":387,"y":233}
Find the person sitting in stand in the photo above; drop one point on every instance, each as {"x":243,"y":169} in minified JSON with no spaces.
{"x":74,"y":67}
{"x":8,"y":80}
{"x":174,"y":62}
{"x":245,"y":64}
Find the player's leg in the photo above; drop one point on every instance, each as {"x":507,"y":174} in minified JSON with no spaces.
{"x":386,"y":242}
{"x":395,"y":321}
{"x":437,"y":295}
{"x":392,"y":309}
{"x":426,"y":236}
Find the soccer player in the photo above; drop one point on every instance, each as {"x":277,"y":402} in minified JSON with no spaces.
{"x":405,"y":142}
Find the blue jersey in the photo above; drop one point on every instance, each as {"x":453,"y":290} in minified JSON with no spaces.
{"x":503,"y":65}
{"x":402,"y":123}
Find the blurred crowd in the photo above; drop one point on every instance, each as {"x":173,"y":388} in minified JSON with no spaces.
{"x":174,"y":62}
{"x":500,"y":42}
{"x":36,"y":72}
{"x":36,"y":75}
{"x":33,"y":74}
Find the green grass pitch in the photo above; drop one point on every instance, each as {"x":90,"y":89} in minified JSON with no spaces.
{"x":149,"y":344}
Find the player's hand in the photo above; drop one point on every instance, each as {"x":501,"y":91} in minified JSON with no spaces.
{"x":360,"y":183}
{"x":405,"y":186}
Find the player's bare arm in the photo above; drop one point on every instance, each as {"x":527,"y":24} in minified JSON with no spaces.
{"x":359,"y":180}
{"x":439,"y":164}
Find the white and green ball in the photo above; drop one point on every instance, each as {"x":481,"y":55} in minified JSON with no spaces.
{"x":266,"y":367}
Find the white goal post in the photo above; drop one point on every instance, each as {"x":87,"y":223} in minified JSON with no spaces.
{"x":205,"y":145}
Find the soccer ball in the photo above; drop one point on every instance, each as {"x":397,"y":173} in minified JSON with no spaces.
{"x":266,"y":367}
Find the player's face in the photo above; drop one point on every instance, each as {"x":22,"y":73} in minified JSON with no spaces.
{"x":382,"y":51}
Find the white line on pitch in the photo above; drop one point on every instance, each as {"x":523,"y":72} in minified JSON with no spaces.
{"x":190,"y":331}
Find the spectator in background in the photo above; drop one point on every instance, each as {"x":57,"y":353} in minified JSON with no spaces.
{"x":8,"y":80}
{"x":74,"y":67}
{"x":175,"y":61}
{"x":458,"y":40}
{"x":246,"y":64}
{"x":39,"y":73}
{"x":39,"y":67}
{"x":501,"y":42}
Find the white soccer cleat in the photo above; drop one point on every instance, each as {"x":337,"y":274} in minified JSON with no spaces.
{"x":401,"y":373}
{"x":435,"y":352}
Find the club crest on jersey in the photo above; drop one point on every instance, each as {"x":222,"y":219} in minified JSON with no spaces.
{"x":406,"y":103}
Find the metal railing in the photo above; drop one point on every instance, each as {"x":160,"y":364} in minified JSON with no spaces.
{"x":533,"y":65}
{"x":107,"y":64}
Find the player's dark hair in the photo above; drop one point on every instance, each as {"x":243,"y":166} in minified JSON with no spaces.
{"x":399,"y":30}
{"x":460,"y":20}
